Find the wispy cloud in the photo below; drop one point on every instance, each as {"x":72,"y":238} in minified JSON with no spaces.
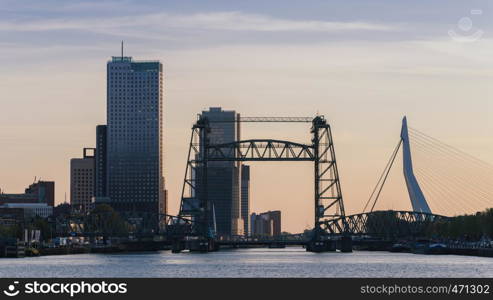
{"x":256,"y":22}
{"x":225,"y":21}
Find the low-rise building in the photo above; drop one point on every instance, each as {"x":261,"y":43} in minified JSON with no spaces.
{"x":38,"y":192}
{"x":29,"y":210}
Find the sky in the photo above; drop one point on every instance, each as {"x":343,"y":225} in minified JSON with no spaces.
{"x":361,"y":64}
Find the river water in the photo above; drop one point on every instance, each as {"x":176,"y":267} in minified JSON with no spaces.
{"x":288,"y":262}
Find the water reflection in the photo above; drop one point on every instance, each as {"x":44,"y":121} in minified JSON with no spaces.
{"x":288,"y":262}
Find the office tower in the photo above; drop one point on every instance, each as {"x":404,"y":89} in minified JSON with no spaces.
{"x":266,"y":224}
{"x":100,"y":161}
{"x":245,"y":197}
{"x":82,"y":181}
{"x":223,"y":177}
{"x":135,"y":182}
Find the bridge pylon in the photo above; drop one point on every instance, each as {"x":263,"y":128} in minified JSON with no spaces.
{"x":195,"y":204}
{"x":329,"y":203}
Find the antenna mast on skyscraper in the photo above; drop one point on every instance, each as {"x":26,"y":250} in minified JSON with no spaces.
{"x":122,"y":50}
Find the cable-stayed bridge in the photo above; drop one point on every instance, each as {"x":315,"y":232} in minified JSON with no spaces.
{"x":441,"y":180}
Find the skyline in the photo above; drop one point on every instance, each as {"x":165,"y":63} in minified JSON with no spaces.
{"x":268,"y":64}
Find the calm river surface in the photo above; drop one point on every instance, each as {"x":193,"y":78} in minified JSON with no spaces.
{"x":288,"y":262}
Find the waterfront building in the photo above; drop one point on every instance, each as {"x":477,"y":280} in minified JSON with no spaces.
{"x":38,"y":192}
{"x":135,"y":182}
{"x":223,"y":177}
{"x":10,"y":216}
{"x":82,"y":171}
{"x":29,"y":210}
{"x":266,"y":224}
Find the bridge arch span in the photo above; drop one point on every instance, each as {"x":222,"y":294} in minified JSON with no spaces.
{"x":261,"y":149}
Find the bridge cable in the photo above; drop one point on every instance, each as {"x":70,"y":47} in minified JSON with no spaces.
{"x":458,"y":190}
{"x":461,"y":184}
{"x":388,"y":170}
{"x":430,"y":184}
{"x":383,"y":176}
{"x":480,"y":187}
{"x":455,"y":150}
{"x":480,"y":179}
{"x":442,"y":164}
{"x":466,"y":167}
{"x":439,"y":149}
{"x":447,"y":172}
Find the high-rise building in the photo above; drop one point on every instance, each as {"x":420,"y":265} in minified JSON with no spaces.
{"x":135,"y":182}
{"x":223,"y":177}
{"x":266,"y":224}
{"x":245,"y":197}
{"x":100,"y":161}
{"x":82,"y":172}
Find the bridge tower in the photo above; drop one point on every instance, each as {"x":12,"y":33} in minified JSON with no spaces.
{"x":416,"y":196}
{"x":329,"y":204}
{"x":195,"y":205}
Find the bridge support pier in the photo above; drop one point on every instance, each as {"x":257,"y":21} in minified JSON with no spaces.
{"x":199,"y":245}
{"x":203,"y":245}
{"x":319,"y":246}
{"x":346,"y":244}
{"x":177,"y":246}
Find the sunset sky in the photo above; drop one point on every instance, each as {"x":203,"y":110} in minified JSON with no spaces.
{"x":362,"y":64}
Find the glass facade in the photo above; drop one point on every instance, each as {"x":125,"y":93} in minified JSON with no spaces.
{"x":224,"y":177}
{"x":135,"y":182}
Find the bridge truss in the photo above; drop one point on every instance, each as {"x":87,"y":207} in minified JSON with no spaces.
{"x":386,"y":224}
{"x":197,"y":206}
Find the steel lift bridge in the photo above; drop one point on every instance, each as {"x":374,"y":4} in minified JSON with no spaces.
{"x":194,"y":228}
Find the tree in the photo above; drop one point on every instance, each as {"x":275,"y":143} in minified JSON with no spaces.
{"x":106,"y":222}
{"x":41,"y":224}
{"x":10,"y":231}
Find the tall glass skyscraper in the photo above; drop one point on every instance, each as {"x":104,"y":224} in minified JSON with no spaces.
{"x":135,"y":181}
{"x":224,"y":176}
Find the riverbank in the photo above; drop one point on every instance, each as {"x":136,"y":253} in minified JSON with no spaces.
{"x":19,"y":250}
{"x":146,"y":246}
{"x":422,"y":249}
